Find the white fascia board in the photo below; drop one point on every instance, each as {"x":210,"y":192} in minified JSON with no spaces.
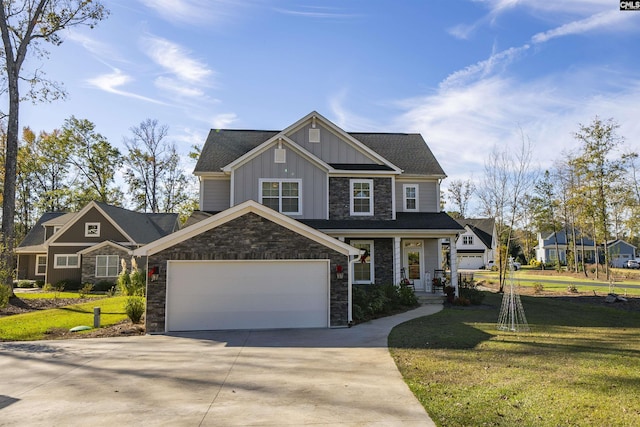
{"x":404,"y":234}
{"x":418,"y":177}
{"x":103,"y":244}
{"x":211,"y":175}
{"x":281,"y":137}
{"x":341,"y":133}
{"x":37,"y":249}
{"x":237,"y":211}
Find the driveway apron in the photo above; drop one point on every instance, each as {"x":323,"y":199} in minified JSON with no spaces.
{"x":342,"y":377}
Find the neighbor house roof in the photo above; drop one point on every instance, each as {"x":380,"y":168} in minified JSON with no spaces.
{"x":481,"y":227}
{"x":36,"y":236}
{"x":407,"y":151}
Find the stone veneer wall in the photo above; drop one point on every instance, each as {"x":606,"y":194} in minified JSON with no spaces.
{"x":250,"y":237}
{"x":339,"y":199}
{"x":382,"y":259}
{"x":89,"y":264}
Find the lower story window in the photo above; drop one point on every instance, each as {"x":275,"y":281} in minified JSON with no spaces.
{"x":66,"y":261}
{"x":41,"y":265}
{"x":364,"y":267}
{"x":107,"y":265}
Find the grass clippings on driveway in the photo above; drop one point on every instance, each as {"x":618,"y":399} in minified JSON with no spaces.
{"x":37,"y":325}
{"x":579,"y":365}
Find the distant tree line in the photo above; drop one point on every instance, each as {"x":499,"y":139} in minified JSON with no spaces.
{"x":64,"y":169}
{"x":591,"y":191}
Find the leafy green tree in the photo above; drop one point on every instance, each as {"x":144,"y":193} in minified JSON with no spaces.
{"x":545,"y":205}
{"x":23,"y":26}
{"x":96,"y":162}
{"x":601,"y":170}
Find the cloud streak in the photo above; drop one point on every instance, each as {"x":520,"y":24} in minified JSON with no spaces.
{"x":176,"y":60}
{"x":112,"y":81}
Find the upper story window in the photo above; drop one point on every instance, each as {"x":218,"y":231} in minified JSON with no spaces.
{"x":467,"y":240}
{"x":66,"y":261}
{"x":92,"y":229}
{"x":410,"y":197}
{"x":361,"y":197}
{"x":282,"y":195}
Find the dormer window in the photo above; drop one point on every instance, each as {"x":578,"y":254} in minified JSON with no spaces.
{"x":92,"y":229}
{"x":56,"y":228}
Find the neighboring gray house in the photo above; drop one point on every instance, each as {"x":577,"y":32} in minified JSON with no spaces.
{"x":548,"y":252}
{"x":477,"y":245}
{"x":290,"y":219}
{"x":87,"y":246}
{"x":620,"y":252}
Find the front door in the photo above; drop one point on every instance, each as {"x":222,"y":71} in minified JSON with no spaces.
{"x":412,"y":262}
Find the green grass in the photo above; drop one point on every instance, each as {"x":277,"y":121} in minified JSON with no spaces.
{"x":579,"y":365}
{"x":34,"y":325}
{"x":54,"y":295}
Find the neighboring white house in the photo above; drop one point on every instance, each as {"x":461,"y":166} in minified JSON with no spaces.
{"x":620,"y":252}
{"x":476,"y":247}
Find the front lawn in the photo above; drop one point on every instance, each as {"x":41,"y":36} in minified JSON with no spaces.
{"x":36,"y":325}
{"x":579,"y":365}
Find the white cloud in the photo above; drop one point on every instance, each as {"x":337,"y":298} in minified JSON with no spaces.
{"x":112,"y":81}
{"x":176,"y":60}
{"x":98,"y":49}
{"x":222,"y":121}
{"x":611,"y":20}
{"x":317,"y":12}
{"x":175,"y":86}
{"x":184,"y":11}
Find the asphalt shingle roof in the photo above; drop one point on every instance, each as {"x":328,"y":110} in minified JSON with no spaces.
{"x":403,"y":221}
{"x":142,"y":227}
{"x":35,"y":236}
{"x":409,"y":152}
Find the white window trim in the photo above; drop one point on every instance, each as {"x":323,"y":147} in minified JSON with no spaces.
{"x":55,"y":261}
{"x":404,"y":197}
{"x":87,"y":225}
{"x":352,"y":182}
{"x":38,"y":265}
{"x":107,"y":266}
{"x":467,"y":240}
{"x":280,"y":181}
{"x":371,"y":263}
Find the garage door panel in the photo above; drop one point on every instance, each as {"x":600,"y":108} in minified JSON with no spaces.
{"x":208,"y":295}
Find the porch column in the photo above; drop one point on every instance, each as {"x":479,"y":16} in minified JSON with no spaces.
{"x":453,"y":254}
{"x":397,"y":261}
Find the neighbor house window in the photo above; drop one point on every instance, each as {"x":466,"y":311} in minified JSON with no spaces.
{"x":410,"y":194}
{"x":467,"y":240}
{"x":361,"y":197}
{"x":107,"y":265}
{"x":66,"y":261}
{"x":92,"y":229}
{"x":363,"y":269}
{"x":41,"y":265}
{"x":283,"y":195}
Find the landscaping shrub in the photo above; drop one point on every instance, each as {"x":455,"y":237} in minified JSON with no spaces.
{"x":133,"y":283}
{"x":86,"y":289}
{"x":134,"y":307}
{"x":39,"y":283}
{"x":473,"y":295}
{"x":373,"y":301}
{"x":103,"y":286}
{"x":25,"y":284}
{"x":69,"y":285}
{"x":462,"y":301}
{"x":5,"y":294}
{"x":450,"y":292}
{"x":538,"y":288}
{"x":572,"y":288}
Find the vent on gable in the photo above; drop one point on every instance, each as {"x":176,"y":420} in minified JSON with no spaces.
{"x":280,"y":155}
{"x":314,"y":135}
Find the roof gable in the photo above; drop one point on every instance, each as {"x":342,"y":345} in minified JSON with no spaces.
{"x":36,"y":236}
{"x":391,"y":152}
{"x":249,"y":206}
{"x":481,"y":227}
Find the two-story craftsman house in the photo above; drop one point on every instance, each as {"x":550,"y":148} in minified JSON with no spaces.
{"x":290,"y":219}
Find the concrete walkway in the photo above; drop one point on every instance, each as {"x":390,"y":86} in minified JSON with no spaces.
{"x":342,"y":377}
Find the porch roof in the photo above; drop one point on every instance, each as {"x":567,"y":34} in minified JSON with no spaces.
{"x":415,"y":221}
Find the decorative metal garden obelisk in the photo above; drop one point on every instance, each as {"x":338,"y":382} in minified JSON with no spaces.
{"x":512,"y":316}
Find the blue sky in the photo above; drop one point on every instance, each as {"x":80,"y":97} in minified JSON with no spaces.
{"x":467,"y":75}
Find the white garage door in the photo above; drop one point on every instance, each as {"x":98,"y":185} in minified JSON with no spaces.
{"x":469,"y":262}
{"x":212,"y":295}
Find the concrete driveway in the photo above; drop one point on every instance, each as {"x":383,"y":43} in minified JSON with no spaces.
{"x":256,"y":378}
